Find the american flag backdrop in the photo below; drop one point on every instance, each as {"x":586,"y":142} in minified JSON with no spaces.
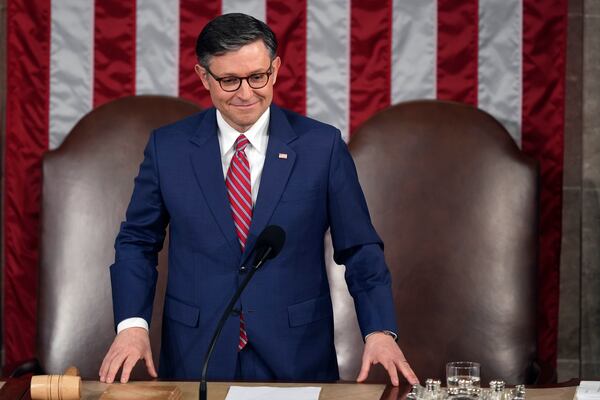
{"x":343,"y":60}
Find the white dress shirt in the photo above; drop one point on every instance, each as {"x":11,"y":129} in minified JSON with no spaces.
{"x":255,"y":152}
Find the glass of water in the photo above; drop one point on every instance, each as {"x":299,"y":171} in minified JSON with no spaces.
{"x":463,"y":377}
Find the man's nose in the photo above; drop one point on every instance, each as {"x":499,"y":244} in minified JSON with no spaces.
{"x":245,"y":91}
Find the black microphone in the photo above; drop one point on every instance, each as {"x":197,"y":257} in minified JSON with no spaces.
{"x":268,"y":245}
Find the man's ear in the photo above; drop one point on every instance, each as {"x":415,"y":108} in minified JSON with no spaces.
{"x":276,"y":64}
{"x":203,"y":75}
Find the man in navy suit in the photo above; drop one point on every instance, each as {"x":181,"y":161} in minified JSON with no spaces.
{"x":297,"y":173}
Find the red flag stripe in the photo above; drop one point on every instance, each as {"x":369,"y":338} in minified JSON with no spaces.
{"x":288,"y":21}
{"x":114,"y":50}
{"x":193,"y":15}
{"x":457,"y":44}
{"x":544,"y":52}
{"x":370,"y":59}
{"x":28,"y":57}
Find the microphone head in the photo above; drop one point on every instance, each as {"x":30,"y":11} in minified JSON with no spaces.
{"x":272,"y":237}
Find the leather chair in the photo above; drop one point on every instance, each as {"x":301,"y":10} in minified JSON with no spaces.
{"x":87,"y":185}
{"x":455,"y":202}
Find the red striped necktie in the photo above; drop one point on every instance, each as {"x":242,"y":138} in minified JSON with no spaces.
{"x":240,"y":200}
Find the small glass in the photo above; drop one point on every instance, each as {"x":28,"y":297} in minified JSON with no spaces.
{"x":433,"y":390}
{"x":496,"y":391}
{"x":462,"y":377}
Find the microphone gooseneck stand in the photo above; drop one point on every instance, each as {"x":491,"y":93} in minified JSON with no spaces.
{"x":234,"y":299}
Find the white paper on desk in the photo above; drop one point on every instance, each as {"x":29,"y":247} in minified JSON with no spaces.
{"x":588,"y":390}
{"x":279,"y":393}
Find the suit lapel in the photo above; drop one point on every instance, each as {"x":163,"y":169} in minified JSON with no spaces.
{"x":206,"y":162}
{"x":276,"y":171}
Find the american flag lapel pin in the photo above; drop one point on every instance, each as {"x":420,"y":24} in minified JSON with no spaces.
{"x":283,"y":156}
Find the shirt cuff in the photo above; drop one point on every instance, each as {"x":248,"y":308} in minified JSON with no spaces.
{"x":132,"y":323}
{"x":390,"y":333}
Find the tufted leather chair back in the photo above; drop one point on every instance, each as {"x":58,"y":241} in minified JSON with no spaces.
{"x":455,"y":202}
{"x":88,"y":182}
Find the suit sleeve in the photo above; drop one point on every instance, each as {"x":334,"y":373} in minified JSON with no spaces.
{"x":133,"y":274}
{"x":358,"y":246}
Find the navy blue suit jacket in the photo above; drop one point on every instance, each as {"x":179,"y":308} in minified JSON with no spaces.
{"x":287,"y":306}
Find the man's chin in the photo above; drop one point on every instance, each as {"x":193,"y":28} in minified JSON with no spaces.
{"x":245,"y":123}
{"x":247,"y":119}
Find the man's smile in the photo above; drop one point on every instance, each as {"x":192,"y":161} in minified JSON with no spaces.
{"x":245,"y":105}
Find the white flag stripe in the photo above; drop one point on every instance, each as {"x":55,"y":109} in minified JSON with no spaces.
{"x":256,"y":8}
{"x":500,"y":57}
{"x":157,"y":47}
{"x":71,"y":66}
{"x":328,"y":62}
{"x":414,"y":50}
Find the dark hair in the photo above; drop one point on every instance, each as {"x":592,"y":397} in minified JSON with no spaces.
{"x":229,"y":32}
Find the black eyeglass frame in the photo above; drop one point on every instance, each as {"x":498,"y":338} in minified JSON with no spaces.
{"x":269,"y":72}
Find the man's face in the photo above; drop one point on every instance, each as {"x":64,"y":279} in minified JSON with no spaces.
{"x":241,"y":108}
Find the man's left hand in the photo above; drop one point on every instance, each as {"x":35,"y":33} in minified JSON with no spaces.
{"x":381,"y":348}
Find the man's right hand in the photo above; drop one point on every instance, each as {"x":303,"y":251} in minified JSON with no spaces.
{"x":129,"y":346}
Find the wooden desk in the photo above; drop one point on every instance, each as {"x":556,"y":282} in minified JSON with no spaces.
{"x":329,"y":391}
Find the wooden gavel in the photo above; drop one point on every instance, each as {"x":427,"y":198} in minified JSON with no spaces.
{"x":57,"y":387}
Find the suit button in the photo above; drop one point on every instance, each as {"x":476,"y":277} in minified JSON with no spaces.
{"x":243,"y":269}
{"x":235,"y":313}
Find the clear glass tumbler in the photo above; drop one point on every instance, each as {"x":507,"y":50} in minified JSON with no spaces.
{"x":463,"y":376}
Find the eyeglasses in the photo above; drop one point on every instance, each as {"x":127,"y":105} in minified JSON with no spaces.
{"x":233,"y":83}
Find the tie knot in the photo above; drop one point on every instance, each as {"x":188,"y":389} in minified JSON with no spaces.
{"x":241,"y":142}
